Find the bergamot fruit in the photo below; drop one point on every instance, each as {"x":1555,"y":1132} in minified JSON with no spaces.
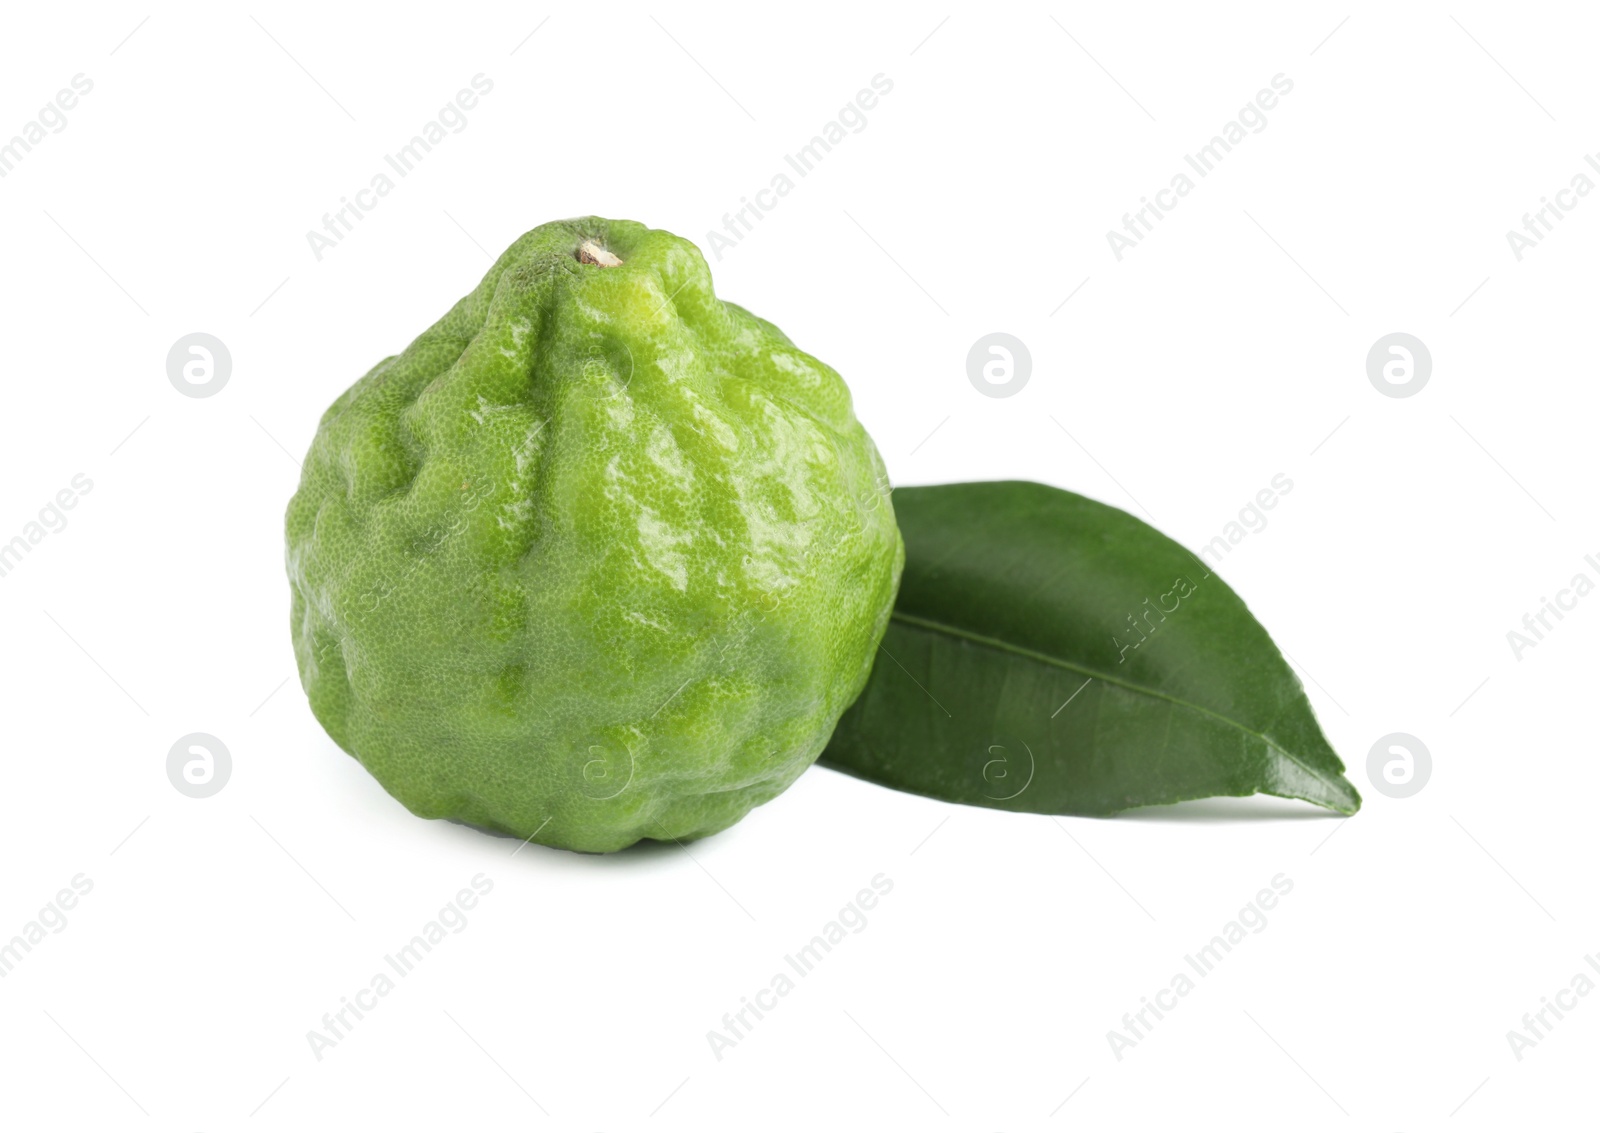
{"x":599,"y":557}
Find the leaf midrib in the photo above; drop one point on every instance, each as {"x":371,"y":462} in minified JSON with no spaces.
{"x":1083,"y":670}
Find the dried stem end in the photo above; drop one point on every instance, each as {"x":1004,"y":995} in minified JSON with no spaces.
{"x":591,"y":253}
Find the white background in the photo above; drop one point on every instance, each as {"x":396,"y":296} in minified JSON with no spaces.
{"x":1228,"y":347}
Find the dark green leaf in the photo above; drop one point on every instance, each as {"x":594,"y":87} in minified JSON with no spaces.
{"x":1051,"y":654}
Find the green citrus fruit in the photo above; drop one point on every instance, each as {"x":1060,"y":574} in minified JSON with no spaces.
{"x":599,"y":557}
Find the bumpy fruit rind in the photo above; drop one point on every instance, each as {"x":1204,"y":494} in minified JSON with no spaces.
{"x":599,"y":557}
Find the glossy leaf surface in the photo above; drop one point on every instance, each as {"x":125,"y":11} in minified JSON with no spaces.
{"x":1052,"y":654}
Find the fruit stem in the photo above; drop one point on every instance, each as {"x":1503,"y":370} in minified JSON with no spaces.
{"x":591,"y":253}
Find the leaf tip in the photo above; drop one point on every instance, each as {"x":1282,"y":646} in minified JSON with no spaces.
{"x":1342,"y":796}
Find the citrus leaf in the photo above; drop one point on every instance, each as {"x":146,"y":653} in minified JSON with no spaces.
{"x":1051,"y":654}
